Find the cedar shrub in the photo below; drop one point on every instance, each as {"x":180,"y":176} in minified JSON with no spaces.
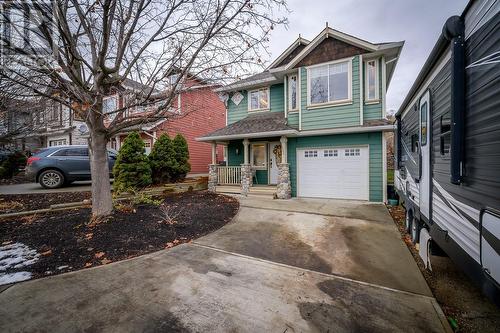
{"x":162,"y":159}
{"x":131,"y":170}
{"x":181,"y":151}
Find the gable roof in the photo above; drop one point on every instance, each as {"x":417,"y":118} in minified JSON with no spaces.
{"x":291,"y":52}
{"x":301,"y":47}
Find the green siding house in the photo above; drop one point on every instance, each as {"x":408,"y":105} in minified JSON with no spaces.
{"x":312,"y":124}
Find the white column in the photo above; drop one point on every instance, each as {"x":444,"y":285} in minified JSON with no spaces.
{"x":284,"y":149}
{"x":118,"y":143}
{"x":246,"y":143}
{"x":214,"y":152}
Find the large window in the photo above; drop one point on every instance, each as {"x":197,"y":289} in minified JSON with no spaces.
{"x":258,"y":99}
{"x":330,"y":83}
{"x":292,"y":92}
{"x":55,"y":116}
{"x":259,"y":159}
{"x":371,"y":80}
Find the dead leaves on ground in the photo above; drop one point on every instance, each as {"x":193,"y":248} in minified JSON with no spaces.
{"x":6,"y":206}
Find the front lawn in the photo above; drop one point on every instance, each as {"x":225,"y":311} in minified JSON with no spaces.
{"x":37,"y":246}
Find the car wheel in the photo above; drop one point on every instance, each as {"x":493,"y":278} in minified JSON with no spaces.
{"x":415,"y":231}
{"x":408,"y":220}
{"x":51,"y":179}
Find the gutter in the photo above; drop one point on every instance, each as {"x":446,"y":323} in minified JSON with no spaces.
{"x":289,"y":132}
{"x":244,"y":85}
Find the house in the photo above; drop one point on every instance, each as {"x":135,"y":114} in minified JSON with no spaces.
{"x":196,"y":108}
{"x":312,"y":124}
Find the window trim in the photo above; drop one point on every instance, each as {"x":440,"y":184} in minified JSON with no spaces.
{"x":297,"y":91}
{"x":377,"y":81}
{"x":249,"y":102}
{"x":265,"y":155}
{"x":349,"y":81}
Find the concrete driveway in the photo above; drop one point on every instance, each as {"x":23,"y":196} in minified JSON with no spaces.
{"x":281,"y":266}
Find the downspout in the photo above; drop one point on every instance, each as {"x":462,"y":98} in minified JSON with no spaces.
{"x":453,"y":31}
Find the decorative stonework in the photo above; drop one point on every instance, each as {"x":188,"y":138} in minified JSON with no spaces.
{"x":284,"y":189}
{"x":212,"y":177}
{"x":246,"y":178}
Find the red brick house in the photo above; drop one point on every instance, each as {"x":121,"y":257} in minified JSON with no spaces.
{"x":197,"y":109}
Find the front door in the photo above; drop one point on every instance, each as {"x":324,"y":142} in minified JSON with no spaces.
{"x":274,"y":159}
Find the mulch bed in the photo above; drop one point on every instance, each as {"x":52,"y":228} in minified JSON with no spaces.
{"x":20,"y":178}
{"x":67,"y":242}
{"x":20,"y":202}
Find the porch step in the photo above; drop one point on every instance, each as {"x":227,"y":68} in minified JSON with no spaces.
{"x":263,"y":190}
{"x":227,"y":189}
{"x":260,"y":191}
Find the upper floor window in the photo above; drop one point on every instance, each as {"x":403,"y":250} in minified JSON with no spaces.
{"x":172,"y":79}
{"x":55,"y":113}
{"x":292,"y":92}
{"x":258,"y":99}
{"x":371,"y":80}
{"x":109,"y":105}
{"x":329,"y":83}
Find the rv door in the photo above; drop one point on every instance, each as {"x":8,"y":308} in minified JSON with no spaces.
{"x":424,"y":157}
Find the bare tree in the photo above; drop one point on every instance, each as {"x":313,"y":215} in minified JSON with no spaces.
{"x":83,"y":50}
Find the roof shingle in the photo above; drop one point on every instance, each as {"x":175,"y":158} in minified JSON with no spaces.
{"x":254,"y":123}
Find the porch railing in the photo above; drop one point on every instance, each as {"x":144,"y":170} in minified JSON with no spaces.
{"x":228,"y":175}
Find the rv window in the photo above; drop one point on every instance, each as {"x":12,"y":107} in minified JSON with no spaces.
{"x":445,"y":134}
{"x":423,"y":123}
{"x":414,"y":143}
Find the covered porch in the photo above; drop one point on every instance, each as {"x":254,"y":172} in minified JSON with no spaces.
{"x":256,"y":149}
{"x":252,"y":166}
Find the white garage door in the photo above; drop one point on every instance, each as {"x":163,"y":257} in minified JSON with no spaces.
{"x":340,"y":173}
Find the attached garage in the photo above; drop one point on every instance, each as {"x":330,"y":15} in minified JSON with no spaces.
{"x":333,"y":172}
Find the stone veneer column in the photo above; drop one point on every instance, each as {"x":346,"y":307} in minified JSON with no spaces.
{"x":246,"y":178}
{"x":212,"y":177}
{"x":284,"y":189}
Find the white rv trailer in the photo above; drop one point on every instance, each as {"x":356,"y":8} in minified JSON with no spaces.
{"x":448,"y":147}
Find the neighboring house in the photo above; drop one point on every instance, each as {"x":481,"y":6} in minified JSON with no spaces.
{"x":312,"y":124}
{"x":196,"y":108}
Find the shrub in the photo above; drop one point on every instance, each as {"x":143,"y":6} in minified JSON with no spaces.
{"x":162,"y":159}
{"x":181,"y":151}
{"x":12,"y":164}
{"x":131,"y":170}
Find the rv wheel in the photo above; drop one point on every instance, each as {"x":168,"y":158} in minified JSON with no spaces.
{"x":415,"y":231}
{"x":408,"y":219}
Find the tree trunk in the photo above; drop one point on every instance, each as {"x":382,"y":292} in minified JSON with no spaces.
{"x":102,"y":201}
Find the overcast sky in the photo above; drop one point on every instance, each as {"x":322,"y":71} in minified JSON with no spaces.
{"x":417,"y":22}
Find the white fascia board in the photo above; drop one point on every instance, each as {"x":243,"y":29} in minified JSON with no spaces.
{"x":247,"y":135}
{"x":289,"y":50}
{"x":246,"y":85}
{"x":345,"y":130}
{"x":329,"y":32}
